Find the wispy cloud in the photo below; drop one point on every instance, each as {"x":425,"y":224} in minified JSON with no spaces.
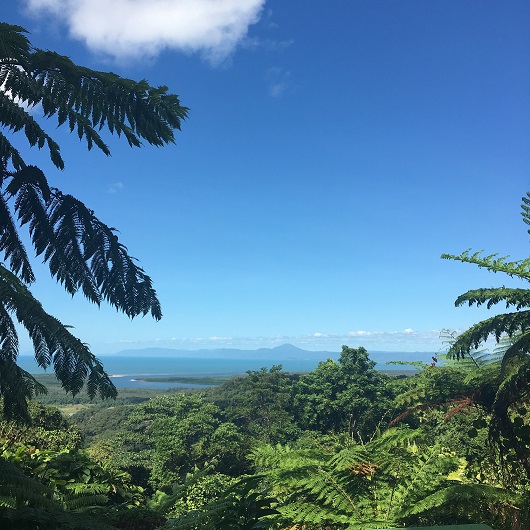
{"x":406,"y":340}
{"x":279,"y":81}
{"x":115,"y":187}
{"x":143,"y":28}
{"x":266,"y":44}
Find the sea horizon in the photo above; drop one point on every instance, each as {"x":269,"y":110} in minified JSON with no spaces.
{"x":129,"y":368}
{"x":164,"y":366}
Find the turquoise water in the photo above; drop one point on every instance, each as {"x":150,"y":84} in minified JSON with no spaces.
{"x":125,"y":370}
{"x":183,"y":366}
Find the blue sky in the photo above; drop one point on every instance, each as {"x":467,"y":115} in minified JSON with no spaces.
{"x":333,"y":151}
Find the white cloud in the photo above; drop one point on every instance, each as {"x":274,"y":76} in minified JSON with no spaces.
{"x":143,"y":28}
{"x":115,"y":187}
{"x":362,"y":333}
{"x":400,"y":341}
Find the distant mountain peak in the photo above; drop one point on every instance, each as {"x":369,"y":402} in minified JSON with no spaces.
{"x":287,"y":348}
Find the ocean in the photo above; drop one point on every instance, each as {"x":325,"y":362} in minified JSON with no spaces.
{"x":125,"y":371}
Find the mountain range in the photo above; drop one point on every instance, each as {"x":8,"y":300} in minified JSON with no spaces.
{"x":283,"y":352}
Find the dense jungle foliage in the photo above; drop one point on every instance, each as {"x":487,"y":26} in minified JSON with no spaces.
{"x":344,"y":446}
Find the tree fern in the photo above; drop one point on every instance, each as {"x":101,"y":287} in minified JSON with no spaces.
{"x":508,"y":323}
{"x":17,"y":489}
{"x":472,"y":496}
{"x":361,"y":486}
{"x":515,"y":373}
{"x":83,"y":253}
{"x":243,"y":506}
{"x":83,"y":99}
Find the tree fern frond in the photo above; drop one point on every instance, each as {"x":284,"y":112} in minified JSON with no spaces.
{"x":468,"y":495}
{"x":525,"y":209}
{"x":83,"y":499}
{"x":126,"y":107}
{"x":72,"y":359}
{"x":16,"y":387}
{"x":15,"y":118}
{"x":22,"y":490}
{"x":508,"y":323}
{"x":520,"y":347}
{"x":475,"y":359}
{"x":513,"y":388}
{"x":72,"y":222}
{"x":83,"y":254}
{"x":8,"y":336}
{"x":519,"y":269}
{"x":512,"y":297}
{"x":13,"y":44}
{"x":12,"y":246}
{"x":8,"y":152}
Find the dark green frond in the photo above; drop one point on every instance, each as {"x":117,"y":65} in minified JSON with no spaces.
{"x":17,"y":489}
{"x":512,"y":389}
{"x":15,"y":118}
{"x":12,"y":246}
{"x":83,"y":99}
{"x":525,"y":209}
{"x":71,"y":222}
{"x":8,"y":152}
{"x":16,"y":387}
{"x":508,"y":323}
{"x":512,"y":297}
{"x":8,"y":336}
{"x":127,"y":107}
{"x":14,"y":44}
{"x":29,"y":176}
{"x":86,"y":253}
{"x":53,"y":343}
{"x":468,"y":495}
{"x":82,"y":252}
{"x":520,"y":346}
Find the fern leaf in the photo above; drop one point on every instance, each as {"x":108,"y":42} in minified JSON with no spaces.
{"x":509,"y":323}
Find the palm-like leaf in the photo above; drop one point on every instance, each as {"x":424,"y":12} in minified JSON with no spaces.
{"x":84,"y":99}
{"x":82,"y":253}
{"x":53,"y":343}
{"x":12,"y":246}
{"x":525,"y":210}
{"x":518,"y":298}
{"x":508,"y":323}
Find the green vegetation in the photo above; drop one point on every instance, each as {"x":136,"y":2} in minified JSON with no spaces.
{"x":342,"y":447}
{"x":508,"y":390}
{"x":375,"y":452}
{"x":83,"y":253}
